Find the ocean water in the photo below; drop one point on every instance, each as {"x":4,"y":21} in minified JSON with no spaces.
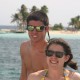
{"x":10,"y":61}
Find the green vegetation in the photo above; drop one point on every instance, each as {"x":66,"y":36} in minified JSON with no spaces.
{"x":23,"y":12}
{"x":58,"y":27}
{"x":75,"y":22}
{"x":21,"y":16}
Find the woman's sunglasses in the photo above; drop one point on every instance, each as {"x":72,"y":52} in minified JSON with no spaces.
{"x":58,"y":54}
{"x":38,"y":28}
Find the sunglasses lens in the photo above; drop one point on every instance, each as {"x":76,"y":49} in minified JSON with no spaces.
{"x":49,"y":53}
{"x":40,"y":28}
{"x":30,"y":28}
{"x":58,"y":54}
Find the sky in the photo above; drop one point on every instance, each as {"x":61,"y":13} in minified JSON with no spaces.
{"x":60,"y":11}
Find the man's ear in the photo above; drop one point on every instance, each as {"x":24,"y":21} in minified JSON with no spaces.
{"x":47,"y":28}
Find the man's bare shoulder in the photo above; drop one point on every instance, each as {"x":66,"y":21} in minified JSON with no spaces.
{"x":24,"y":48}
{"x":25,"y":43}
{"x":36,"y":75}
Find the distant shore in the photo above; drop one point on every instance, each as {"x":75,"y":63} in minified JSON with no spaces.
{"x":11,"y":30}
{"x":51,"y":31}
{"x":65,"y":32}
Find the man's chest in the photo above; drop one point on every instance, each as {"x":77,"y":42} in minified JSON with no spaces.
{"x":36,"y":62}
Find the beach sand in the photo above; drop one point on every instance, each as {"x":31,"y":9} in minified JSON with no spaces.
{"x":65,"y":32}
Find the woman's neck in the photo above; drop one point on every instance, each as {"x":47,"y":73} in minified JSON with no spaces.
{"x":55,"y":74}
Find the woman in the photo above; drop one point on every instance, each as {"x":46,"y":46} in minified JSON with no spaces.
{"x":58,"y":54}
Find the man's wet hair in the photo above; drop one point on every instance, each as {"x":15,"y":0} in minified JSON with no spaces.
{"x":38,"y":16}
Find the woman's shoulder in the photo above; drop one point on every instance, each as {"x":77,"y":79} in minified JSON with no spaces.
{"x":74,"y":75}
{"x":36,"y":75}
{"x":40,"y":72}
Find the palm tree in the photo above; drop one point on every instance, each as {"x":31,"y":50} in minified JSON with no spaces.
{"x":78,"y":21}
{"x":17,"y":17}
{"x":72,"y":23}
{"x":44,"y":9}
{"x":25,"y":14}
{"x":34,"y":8}
{"x":75,"y":22}
{"x":21,"y":17}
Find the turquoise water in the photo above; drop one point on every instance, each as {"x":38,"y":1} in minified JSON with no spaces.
{"x":24,"y":35}
{"x":10,"y":61}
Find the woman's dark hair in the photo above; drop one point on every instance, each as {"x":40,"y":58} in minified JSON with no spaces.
{"x":67,"y":51}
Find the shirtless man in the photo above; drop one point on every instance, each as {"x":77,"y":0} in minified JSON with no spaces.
{"x":33,"y":51}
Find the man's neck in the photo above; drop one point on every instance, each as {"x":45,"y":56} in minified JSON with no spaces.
{"x":39,"y":43}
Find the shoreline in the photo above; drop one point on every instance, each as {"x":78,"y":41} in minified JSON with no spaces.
{"x":64,"y":32}
{"x":50,"y":31}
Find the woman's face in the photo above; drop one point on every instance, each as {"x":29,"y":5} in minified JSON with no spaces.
{"x":58,"y":58}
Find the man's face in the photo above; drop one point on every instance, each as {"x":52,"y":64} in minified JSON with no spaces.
{"x":36,"y":35}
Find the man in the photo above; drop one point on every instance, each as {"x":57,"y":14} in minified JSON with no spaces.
{"x":33,"y":51}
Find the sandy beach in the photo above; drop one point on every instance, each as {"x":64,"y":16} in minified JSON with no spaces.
{"x":65,"y":32}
